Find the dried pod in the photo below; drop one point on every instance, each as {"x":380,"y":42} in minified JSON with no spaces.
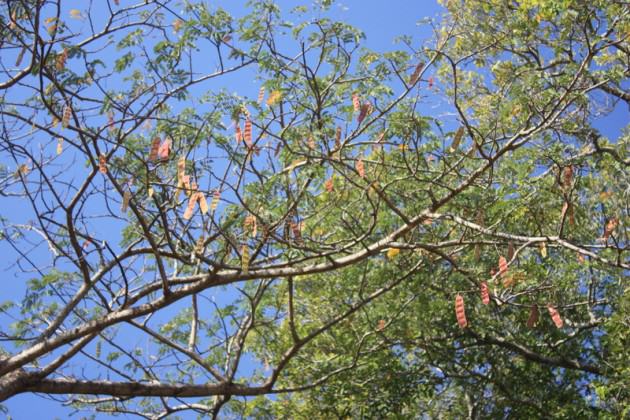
{"x":510,"y":253}
{"x":59,"y":145}
{"x":125,"y":201}
{"x":261,"y":94}
{"x":191,"y":206}
{"x":247,"y":135}
{"x":67,"y":113}
{"x":533,"y":316}
{"x":165,"y":149}
{"x":503,"y":266}
{"x":567,"y":176}
{"x":216,"y":196}
{"x":457,"y":139}
{"x":203,"y":204}
{"x":155,"y":147}
{"x":460,"y":312}
{"x":416,"y":73}
{"x":610,"y":227}
{"x":60,"y":62}
{"x":485,"y":293}
{"x":555,"y":316}
{"x":360,"y":167}
{"x":329,"y":185}
{"x":365,"y":110}
{"x":102,"y":163}
{"x":245,"y":259}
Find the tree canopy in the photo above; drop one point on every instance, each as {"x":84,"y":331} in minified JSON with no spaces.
{"x":438,"y":230}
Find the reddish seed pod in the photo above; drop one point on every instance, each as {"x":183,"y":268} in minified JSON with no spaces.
{"x":460,"y":312}
{"x":485,"y":293}
{"x":555,"y":316}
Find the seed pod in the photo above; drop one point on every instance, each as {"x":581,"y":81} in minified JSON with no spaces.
{"x":555,"y":316}
{"x":416,"y":73}
{"x":365,"y":110}
{"x":250,"y":225}
{"x":20,"y":56}
{"x":191,"y":206}
{"x":155,"y":147}
{"x":360,"y":168}
{"x":485,"y":293}
{"x":381,"y":325}
{"x":296,"y":229}
{"x":59,"y":145}
{"x":181,"y":171}
{"x":245,"y":259}
{"x":338,"y":137}
{"x":216,"y":196}
{"x":610,"y":227}
{"x":460,"y":312}
{"x":356,"y":103}
{"x":199,"y":245}
{"x":510,"y":253}
{"x":533,"y":317}
{"x":165,"y":149}
{"x":67,"y":113}
{"x":110,"y":122}
{"x":261,"y":94}
{"x":503,"y":266}
{"x":567,"y":176}
{"x":60,"y":62}
{"x":238,"y":134}
{"x":311,"y":143}
{"x":329,"y":185}
{"x":567,"y":210}
{"x":203,"y":204}
{"x":102,"y":163}
{"x":459,"y":134}
{"x":543,"y":249}
{"x":247,"y":136}
{"x":177,"y":25}
{"x":125,"y":201}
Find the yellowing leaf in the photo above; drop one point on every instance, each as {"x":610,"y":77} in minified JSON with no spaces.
{"x":393,"y":253}
{"x":274,"y":97}
{"x":75,"y":14}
